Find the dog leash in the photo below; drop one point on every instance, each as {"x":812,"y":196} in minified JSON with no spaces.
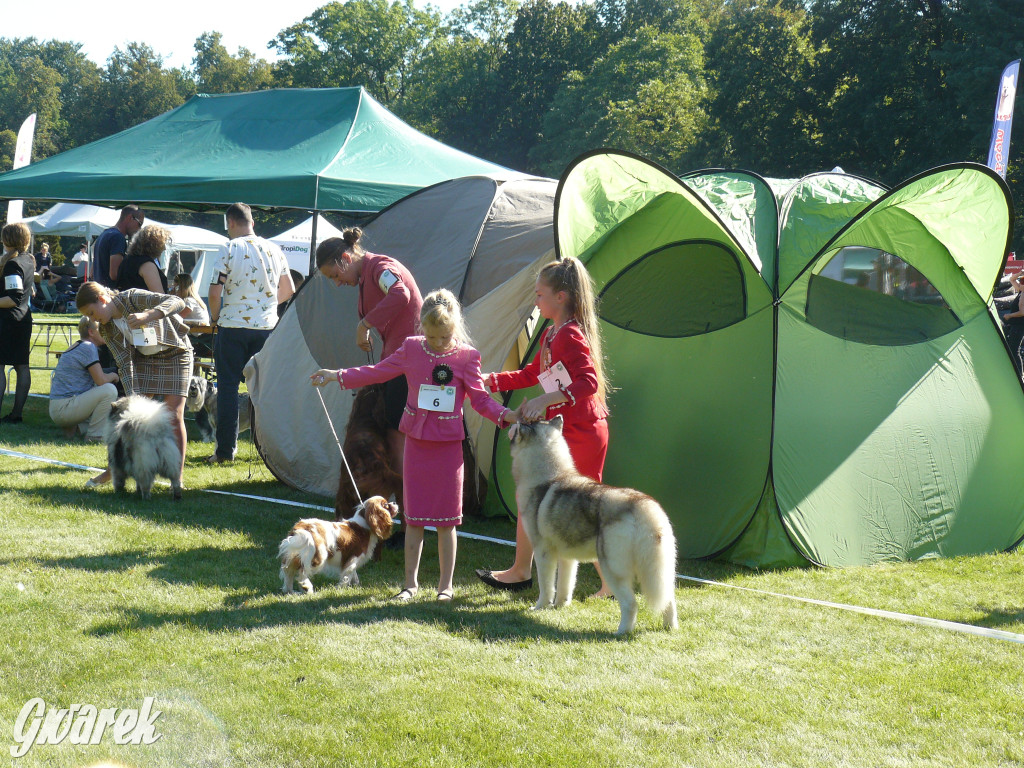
{"x":340,"y":450}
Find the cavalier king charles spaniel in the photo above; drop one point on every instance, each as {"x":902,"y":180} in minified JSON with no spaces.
{"x":315,"y":545}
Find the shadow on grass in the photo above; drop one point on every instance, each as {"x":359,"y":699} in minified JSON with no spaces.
{"x":477,"y":617}
{"x":229,"y":569}
{"x":995,"y":618}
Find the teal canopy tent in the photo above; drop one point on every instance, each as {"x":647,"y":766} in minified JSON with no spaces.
{"x":328,"y":149}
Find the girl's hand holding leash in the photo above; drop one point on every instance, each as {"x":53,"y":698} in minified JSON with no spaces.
{"x":323,"y":377}
{"x":363,"y":339}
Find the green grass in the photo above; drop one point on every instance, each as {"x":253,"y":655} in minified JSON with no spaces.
{"x":105,"y":600}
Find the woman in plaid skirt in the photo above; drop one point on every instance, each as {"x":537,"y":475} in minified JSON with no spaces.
{"x":160,"y":363}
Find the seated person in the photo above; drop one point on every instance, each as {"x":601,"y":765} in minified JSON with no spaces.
{"x":195,"y":312}
{"x":61,"y":285}
{"x":81,"y":392}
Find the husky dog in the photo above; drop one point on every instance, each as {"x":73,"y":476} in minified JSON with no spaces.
{"x":202,"y":396}
{"x":570,"y":518}
{"x":202,"y":401}
{"x":141,"y":444}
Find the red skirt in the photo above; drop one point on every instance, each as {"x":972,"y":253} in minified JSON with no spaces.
{"x":588,"y":445}
{"x":432,"y":482}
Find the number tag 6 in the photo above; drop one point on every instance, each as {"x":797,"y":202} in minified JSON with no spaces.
{"x":436,"y":398}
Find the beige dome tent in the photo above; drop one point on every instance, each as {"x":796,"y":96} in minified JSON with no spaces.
{"x":482,"y":237}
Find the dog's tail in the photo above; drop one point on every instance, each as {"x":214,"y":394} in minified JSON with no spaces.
{"x":298,"y":544}
{"x":658,"y":573}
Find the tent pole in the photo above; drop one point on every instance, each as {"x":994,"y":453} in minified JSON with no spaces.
{"x":312,"y":244}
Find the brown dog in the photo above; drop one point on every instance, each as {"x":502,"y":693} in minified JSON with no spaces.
{"x":366,"y":448}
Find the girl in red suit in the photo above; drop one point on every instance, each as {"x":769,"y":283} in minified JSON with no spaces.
{"x":569,"y":365}
{"x":442,"y":370}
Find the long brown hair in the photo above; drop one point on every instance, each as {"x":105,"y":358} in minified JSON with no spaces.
{"x":185,"y":287}
{"x":569,"y":275}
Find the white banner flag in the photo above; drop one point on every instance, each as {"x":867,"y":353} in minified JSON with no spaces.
{"x":22,"y":157}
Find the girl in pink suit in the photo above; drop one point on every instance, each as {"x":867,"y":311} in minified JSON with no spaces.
{"x":442,"y":370}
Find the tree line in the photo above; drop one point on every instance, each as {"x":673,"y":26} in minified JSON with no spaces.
{"x":883,"y":88}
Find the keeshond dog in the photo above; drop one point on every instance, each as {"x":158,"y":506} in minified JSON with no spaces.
{"x":570,"y":518}
{"x":141,"y":444}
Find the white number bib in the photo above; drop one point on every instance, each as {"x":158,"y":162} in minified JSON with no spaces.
{"x":144,"y":339}
{"x":436,"y":398}
{"x":555,"y":378}
{"x":13,"y":283}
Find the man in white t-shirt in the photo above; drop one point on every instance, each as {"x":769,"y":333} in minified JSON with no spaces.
{"x":82,"y":257}
{"x":250,"y":278}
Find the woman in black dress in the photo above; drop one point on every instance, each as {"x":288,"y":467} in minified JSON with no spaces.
{"x":17,"y":271}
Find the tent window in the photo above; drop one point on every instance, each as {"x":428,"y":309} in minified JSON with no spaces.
{"x":683,"y":289}
{"x":873,"y":297}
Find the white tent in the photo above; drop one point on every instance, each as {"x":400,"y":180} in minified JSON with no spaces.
{"x":294,"y":242}
{"x":90,"y":221}
{"x":73,"y":220}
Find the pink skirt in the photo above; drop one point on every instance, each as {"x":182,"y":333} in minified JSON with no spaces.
{"x":432,"y":482}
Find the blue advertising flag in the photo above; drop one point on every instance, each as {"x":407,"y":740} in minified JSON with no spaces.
{"x":999,"y":151}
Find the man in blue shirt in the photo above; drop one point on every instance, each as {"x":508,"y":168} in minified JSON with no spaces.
{"x":112,"y":245}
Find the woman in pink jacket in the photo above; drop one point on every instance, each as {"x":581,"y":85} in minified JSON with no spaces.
{"x":442,"y":370}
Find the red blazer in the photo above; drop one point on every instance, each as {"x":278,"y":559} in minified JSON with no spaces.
{"x":568,"y":346}
{"x":389,"y":303}
{"x":418,"y":362}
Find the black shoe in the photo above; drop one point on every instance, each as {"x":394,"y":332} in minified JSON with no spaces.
{"x":10,"y":418}
{"x":508,"y":586}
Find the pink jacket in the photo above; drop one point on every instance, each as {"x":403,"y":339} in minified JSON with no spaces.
{"x":389,"y":302}
{"x":415,"y":359}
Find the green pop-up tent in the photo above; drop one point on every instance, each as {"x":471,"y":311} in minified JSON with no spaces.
{"x":806,"y":371}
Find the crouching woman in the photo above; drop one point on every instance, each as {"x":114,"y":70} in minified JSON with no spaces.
{"x":80,"y":391}
{"x":149,"y":342}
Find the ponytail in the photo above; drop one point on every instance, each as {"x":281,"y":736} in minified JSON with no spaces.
{"x":569,"y":275}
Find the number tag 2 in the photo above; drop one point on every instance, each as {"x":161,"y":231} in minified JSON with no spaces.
{"x":436,"y":398}
{"x":555,"y":378}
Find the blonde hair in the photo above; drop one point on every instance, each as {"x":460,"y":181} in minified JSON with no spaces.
{"x":150,"y":241}
{"x":85,"y":325}
{"x":569,"y":275}
{"x":442,"y":310}
{"x":90,"y":293}
{"x":185,"y":287}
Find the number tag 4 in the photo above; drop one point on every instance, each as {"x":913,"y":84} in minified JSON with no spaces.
{"x":555,"y":378}
{"x":436,"y":398}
